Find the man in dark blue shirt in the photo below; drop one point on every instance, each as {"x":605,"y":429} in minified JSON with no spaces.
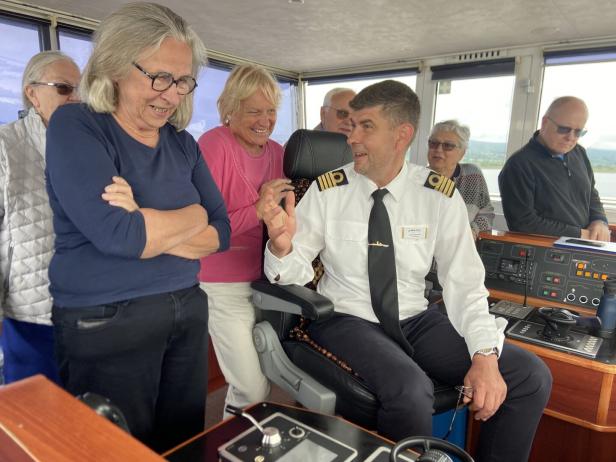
{"x":548,"y":186}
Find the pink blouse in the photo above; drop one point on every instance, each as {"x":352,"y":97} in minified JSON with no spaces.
{"x":239,"y":177}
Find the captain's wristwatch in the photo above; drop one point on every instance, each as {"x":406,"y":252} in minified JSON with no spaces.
{"x":487,"y":351}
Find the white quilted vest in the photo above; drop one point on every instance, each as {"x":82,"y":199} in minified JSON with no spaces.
{"x":26,"y":230}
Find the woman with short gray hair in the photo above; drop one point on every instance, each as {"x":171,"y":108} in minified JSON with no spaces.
{"x":446,"y":148}
{"x":26,"y":233}
{"x":135,"y":207}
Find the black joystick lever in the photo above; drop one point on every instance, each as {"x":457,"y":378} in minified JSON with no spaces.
{"x":559,"y":321}
{"x":271,"y":435}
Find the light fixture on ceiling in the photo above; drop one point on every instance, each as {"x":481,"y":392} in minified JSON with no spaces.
{"x":299,"y":2}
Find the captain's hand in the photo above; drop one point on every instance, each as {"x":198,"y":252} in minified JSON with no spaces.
{"x":280,"y":224}
{"x":275,"y":189}
{"x":489,"y":388}
{"x":598,"y":230}
{"x":120,"y":194}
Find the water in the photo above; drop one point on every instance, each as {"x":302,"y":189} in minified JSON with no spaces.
{"x":605,"y":183}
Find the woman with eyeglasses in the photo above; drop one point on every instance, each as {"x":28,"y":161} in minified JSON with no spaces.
{"x":446,"y":148}
{"x":26,"y":233}
{"x":135,"y":208}
{"x":245,"y":163}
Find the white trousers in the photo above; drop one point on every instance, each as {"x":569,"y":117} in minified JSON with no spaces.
{"x":231,"y":319}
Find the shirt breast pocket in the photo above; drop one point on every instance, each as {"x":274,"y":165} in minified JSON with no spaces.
{"x":414,"y":250}
{"x":347,"y":246}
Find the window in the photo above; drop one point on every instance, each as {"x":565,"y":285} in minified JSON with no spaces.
{"x":205,"y":114}
{"x":286,"y":123}
{"x":76,"y":44}
{"x":484,"y":104}
{"x":594,"y":83}
{"x":316,"y":90}
{"x":14,"y":55}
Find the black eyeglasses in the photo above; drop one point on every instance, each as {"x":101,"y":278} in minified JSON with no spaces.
{"x":433,"y":144}
{"x":162,"y":81}
{"x":63,"y":89}
{"x":563,"y":130}
{"x":340,"y":113}
{"x":462,"y":392}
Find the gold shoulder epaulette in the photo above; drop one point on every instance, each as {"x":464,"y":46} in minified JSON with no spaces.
{"x":331,"y":179}
{"x":440,"y":183}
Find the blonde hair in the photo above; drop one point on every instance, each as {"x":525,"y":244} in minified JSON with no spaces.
{"x":36,"y":68}
{"x":121,"y":39}
{"x":243,"y":82}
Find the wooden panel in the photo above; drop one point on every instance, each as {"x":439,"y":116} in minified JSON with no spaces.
{"x":580,"y":361}
{"x":10,"y":450}
{"x":613,"y":231}
{"x":52,"y":425}
{"x":518,"y":238}
{"x":611,"y":413}
{"x":575,"y":391}
{"x":561,"y":441}
{"x":603,"y":407}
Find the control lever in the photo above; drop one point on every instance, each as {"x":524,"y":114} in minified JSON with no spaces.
{"x":271,"y":435}
{"x":588,"y":322}
{"x":558,"y":322}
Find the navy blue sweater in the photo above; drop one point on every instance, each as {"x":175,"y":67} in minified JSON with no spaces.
{"x":543,"y":194}
{"x":98,"y":246}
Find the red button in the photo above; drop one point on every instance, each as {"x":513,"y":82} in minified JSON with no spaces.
{"x":522,"y":253}
{"x":556,"y":280}
{"x":553,"y":294}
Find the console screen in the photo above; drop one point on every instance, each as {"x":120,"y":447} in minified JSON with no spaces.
{"x":307,"y":451}
{"x":509,"y":266}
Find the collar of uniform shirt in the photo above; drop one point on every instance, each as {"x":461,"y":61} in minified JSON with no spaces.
{"x":395,"y":186}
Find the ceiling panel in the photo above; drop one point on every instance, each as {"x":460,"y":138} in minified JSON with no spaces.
{"x":332,"y":34}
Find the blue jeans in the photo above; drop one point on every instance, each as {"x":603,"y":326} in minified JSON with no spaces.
{"x":28,"y":350}
{"x":147,"y":355}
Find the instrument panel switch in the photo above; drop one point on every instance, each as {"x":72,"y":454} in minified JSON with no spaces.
{"x":297,"y":432}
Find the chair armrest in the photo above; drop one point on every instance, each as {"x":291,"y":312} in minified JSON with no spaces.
{"x":292,"y":299}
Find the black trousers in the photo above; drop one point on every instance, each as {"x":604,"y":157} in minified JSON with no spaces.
{"x":405,"y":391}
{"x":147,"y":355}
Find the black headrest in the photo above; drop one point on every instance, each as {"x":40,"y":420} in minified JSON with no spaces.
{"x":310,"y":153}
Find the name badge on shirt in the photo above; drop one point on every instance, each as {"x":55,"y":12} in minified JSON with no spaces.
{"x":414,"y":232}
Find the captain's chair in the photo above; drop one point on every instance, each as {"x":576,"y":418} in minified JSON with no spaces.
{"x":312,"y":375}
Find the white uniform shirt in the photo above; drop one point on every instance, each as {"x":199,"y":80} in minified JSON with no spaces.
{"x":425,"y":224}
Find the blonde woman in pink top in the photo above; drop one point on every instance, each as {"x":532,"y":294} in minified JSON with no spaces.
{"x":243,"y":161}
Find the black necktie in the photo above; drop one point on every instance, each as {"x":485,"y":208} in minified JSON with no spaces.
{"x":382,"y":271}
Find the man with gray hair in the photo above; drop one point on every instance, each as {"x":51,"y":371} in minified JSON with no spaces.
{"x":548,"y":186}
{"x":335,"y":112}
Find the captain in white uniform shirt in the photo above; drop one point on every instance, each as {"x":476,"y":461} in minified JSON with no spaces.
{"x":508,"y":386}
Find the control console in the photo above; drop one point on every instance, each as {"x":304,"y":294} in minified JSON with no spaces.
{"x":531,"y":266}
{"x":298,"y":442}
